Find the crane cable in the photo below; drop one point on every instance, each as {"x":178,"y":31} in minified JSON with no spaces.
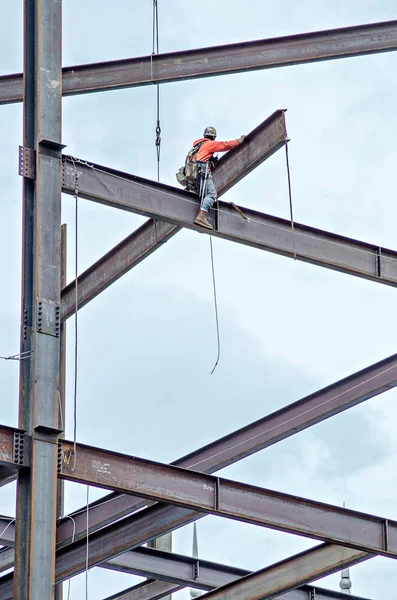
{"x":290,"y":199}
{"x":218,"y":337}
{"x":155,"y":50}
{"x":76,"y":307}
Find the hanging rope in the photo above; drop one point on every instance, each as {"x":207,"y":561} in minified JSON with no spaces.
{"x":76,"y":306}
{"x":21,"y":356}
{"x":290,"y":199}
{"x":216,"y":307}
{"x":73,"y":536}
{"x":203,"y":181}
{"x":155,"y":50}
{"x":87,"y":553}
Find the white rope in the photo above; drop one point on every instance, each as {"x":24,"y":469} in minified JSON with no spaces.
{"x":87,"y":553}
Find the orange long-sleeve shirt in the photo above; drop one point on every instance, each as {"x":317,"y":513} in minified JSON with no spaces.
{"x":209,"y":147}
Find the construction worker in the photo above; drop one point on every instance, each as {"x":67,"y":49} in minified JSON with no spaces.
{"x":204,"y":158}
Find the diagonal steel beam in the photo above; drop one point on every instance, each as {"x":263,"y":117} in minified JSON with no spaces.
{"x":117,"y":262}
{"x":262,"y":231}
{"x":218,"y":60}
{"x":259,"y":145}
{"x":289,"y":574}
{"x":218,"y":496}
{"x":201,"y":574}
{"x":287,"y":421}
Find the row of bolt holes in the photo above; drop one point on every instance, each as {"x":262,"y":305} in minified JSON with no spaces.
{"x":18,"y":449}
{"x":40,"y":318}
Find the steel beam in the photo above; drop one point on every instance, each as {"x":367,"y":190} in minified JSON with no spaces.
{"x":287,"y":421}
{"x":201,"y":574}
{"x":39,"y":375}
{"x":7,"y":476}
{"x":147,"y":590}
{"x":7,"y":531}
{"x":289,"y":574}
{"x":218,"y":60}
{"x":226,"y":498}
{"x":259,"y":145}
{"x":266,"y":232}
{"x":113,"y":265}
{"x":6,"y":559}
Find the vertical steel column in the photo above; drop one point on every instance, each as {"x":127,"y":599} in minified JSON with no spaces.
{"x":39,"y":376}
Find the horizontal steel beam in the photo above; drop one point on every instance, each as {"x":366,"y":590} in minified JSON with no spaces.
{"x":218,"y":60}
{"x":7,"y":475}
{"x":14,"y":451}
{"x":6,"y":559}
{"x":289,"y":574}
{"x":287,"y":421}
{"x":7,"y":531}
{"x":198,"y":573}
{"x":259,"y":145}
{"x":262,"y":231}
{"x":227,"y":498}
{"x":147,"y":590}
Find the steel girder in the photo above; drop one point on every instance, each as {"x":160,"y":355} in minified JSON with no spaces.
{"x":259,"y":145}
{"x":266,"y":232}
{"x":289,"y":574}
{"x":283,"y":423}
{"x":218,"y":60}
{"x":183,"y":571}
{"x":218,"y":496}
{"x":192,"y":572}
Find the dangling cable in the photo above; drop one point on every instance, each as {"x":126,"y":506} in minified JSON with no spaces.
{"x":155,"y":50}
{"x":290,"y":199}
{"x":203,"y":181}
{"x":87,"y":554}
{"x":76,"y":248}
{"x":216,"y":307}
{"x":73,"y":536}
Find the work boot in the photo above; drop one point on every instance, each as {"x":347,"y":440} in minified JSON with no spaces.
{"x":201,"y":219}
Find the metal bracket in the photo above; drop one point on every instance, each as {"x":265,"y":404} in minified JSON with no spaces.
{"x":59,"y":457}
{"x":27,"y":162}
{"x":312,"y":594}
{"x":379,"y":262}
{"x":21,"y":449}
{"x":48,"y":317}
{"x":51,"y":148}
{"x":196,"y":569}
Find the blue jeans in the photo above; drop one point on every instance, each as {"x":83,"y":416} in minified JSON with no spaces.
{"x":209,"y":195}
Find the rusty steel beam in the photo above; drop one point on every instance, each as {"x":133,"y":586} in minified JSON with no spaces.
{"x":7,"y":531}
{"x":7,"y":476}
{"x":262,"y":231}
{"x":218,"y":60}
{"x":147,"y":590}
{"x":6,"y":559}
{"x":287,"y":421}
{"x":289,"y":574}
{"x":198,"y":573}
{"x":113,"y":265}
{"x":259,"y":145}
{"x":223,"y":497}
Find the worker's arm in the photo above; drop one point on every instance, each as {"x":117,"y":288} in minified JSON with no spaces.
{"x":222,"y":146}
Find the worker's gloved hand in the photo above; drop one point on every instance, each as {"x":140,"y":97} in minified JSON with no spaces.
{"x":241,"y":139}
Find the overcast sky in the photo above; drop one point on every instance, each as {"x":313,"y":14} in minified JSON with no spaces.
{"x":148,"y":343}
